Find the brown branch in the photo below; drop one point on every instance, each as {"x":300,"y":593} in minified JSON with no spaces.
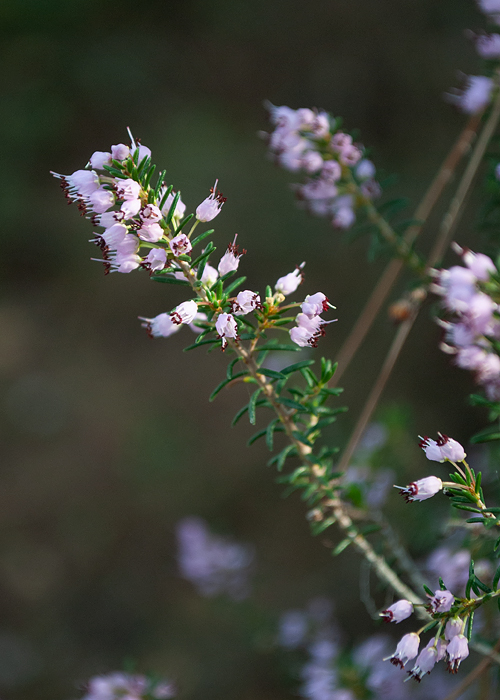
{"x":393,"y":269}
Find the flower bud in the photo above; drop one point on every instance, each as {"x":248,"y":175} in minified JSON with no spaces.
{"x":289,"y":283}
{"x":397,"y":611}
{"x":226,"y":327}
{"x":99,"y":159}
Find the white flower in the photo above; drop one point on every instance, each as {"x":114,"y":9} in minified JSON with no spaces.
{"x":226,"y":327}
{"x":289,"y":283}
{"x":211,"y":206}
{"x":180,"y":245}
{"x":397,"y":611}
{"x":130,"y":207}
{"x":425,"y":662}
{"x":422,"y":489}
{"x":246,"y":301}
{"x":445,"y":448}
{"x":114,"y":235}
{"x":185,"y":312}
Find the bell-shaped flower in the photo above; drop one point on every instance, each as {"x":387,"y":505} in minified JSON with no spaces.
{"x":440,"y":602}
{"x":151,"y":214}
{"x":99,"y":159}
{"x":156,"y":259}
{"x":344,"y":217}
{"x":425,"y":662}
{"x":231,"y":259}
{"x":131,"y":207}
{"x":457,"y":651}
{"x":120,"y":151}
{"x":180,"y":245}
{"x":226,"y":327}
{"x":406,"y":650}
{"x":110,"y":218}
{"x":211,"y":206}
{"x":453,"y":627}
{"x":180,"y":207}
{"x":288,"y":284}
{"x":331,"y":171}
{"x":397,"y":611}
{"x":365,"y":170}
{"x":314,"y":304}
{"x":128,"y":189}
{"x":209,"y":276}
{"x":160,"y":326}
{"x":445,"y":448}
{"x":422,"y":489}
{"x":246,"y":302}
{"x":185,"y":312}
{"x":114,"y":235}
{"x":312,"y":161}
{"x":101,"y":200}
{"x":151,"y":233}
{"x":82,"y":182}
{"x":340,"y":141}
{"x":350,"y":155}
{"x":125,"y":258}
{"x":479,"y":264}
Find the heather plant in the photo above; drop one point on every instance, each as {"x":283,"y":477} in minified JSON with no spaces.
{"x":143,"y":226}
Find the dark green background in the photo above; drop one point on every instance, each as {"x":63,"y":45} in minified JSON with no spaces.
{"x":107,"y":438}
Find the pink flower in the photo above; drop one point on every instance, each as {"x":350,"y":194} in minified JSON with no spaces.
{"x":453,"y":627}
{"x":487,"y":46}
{"x":101,"y":200}
{"x":99,"y":159}
{"x":120,"y":151}
{"x":425,"y":662}
{"x":246,"y":302}
{"x":397,"y":611}
{"x":114,"y":235}
{"x":211,"y":206}
{"x":131,"y":207}
{"x":445,"y":448}
{"x":312,"y":161}
{"x":231,"y":259}
{"x":151,"y":214}
{"x":457,"y":651}
{"x":226,"y":327}
{"x":406,"y":650}
{"x":331,"y":171}
{"x":185,"y":312}
{"x":441,"y":601}
{"x":128,"y":189}
{"x":209,"y":276}
{"x":180,"y":207}
{"x":151,"y":233}
{"x":475,"y":96}
{"x":422,"y":489}
{"x":180,"y":245}
{"x":156,"y":259}
{"x":479,"y":264}
{"x":160,"y":326}
{"x":289,"y":283}
{"x":314,"y":304}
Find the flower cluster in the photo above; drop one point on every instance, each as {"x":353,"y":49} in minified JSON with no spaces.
{"x":340,"y":179}
{"x":125,"y":686}
{"x":213,"y":564}
{"x":471,"y":333}
{"x":477,"y":90}
{"x":310,"y":325}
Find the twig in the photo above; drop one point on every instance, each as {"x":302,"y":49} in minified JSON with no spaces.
{"x":394,"y":267}
{"x":474,"y":674}
{"x":448,"y":224}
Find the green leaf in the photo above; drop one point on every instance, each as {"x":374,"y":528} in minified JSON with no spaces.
{"x":441,"y":584}
{"x":208,"y":341}
{"x":482,"y":586}
{"x":161,"y":177}
{"x":334,"y":392}
{"x":183,"y":223}
{"x":496,"y":579}
{"x":318,"y":528}
{"x":280,"y":458}
{"x":301,"y":438}
{"x":201,"y":237}
{"x":292,"y":404}
{"x":341,"y":546}
{"x":428,"y":591}
{"x":243,"y":410}
{"x":149,"y":176}
{"x":273,"y":425}
{"x":229,"y":372}
{"x":281,"y":347}
{"x":209,"y":249}
{"x":487,"y":435}
{"x":460,"y":506}
{"x":169,"y":280}
{"x":296,"y":366}
{"x":256,"y":436}
{"x":252,"y":404}
{"x":171,"y":211}
{"x":271,"y":373}
{"x":234,"y":285}
{"x":223,"y":384}
{"x":475,"y":520}
{"x":165,"y":196}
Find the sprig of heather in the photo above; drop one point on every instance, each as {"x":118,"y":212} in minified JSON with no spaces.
{"x":119,"y":685}
{"x":340,"y":181}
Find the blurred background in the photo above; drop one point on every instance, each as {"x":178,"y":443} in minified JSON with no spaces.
{"x":107,"y":438}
